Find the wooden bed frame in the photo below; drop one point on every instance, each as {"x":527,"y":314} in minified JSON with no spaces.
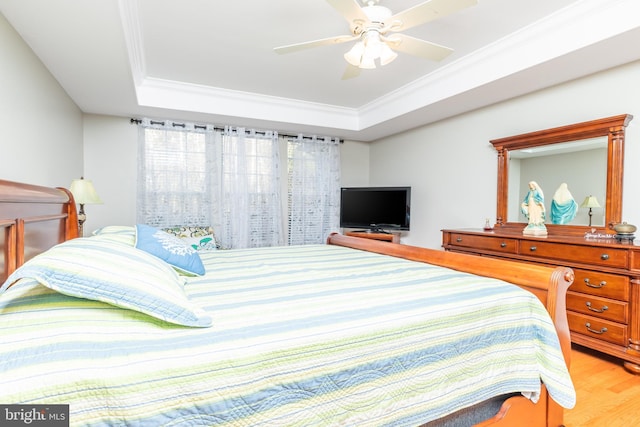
{"x":34,"y":218}
{"x":547,"y":283}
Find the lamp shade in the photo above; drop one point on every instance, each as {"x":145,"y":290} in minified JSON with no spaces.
{"x":83,"y":192}
{"x":590,"y":202}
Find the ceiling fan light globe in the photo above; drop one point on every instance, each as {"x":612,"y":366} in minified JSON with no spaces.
{"x":354,"y":55}
{"x":367,"y":63}
{"x":387,"y":55}
{"x":373,"y":51}
{"x":370,"y":54}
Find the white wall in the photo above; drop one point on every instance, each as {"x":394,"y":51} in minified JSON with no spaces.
{"x":110,"y":161}
{"x":354,"y":164}
{"x":452,"y":167}
{"x":41,"y":127}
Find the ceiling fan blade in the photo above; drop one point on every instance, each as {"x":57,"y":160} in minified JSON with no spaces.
{"x":350,"y":72}
{"x":417,"y":47}
{"x":350,"y":9}
{"x":425,"y":12}
{"x":315,"y":43}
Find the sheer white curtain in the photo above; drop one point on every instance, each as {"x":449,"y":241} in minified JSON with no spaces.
{"x":174,"y":186}
{"x":314,"y":189}
{"x":247,"y":212}
{"x":233,"y":180}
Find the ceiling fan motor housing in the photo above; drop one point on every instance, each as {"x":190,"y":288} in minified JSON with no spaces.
{"x":376,"y":15}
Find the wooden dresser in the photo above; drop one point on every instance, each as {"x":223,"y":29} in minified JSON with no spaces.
{"x":603,"y":304}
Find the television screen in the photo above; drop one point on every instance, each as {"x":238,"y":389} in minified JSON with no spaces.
{"x":375,"y":208}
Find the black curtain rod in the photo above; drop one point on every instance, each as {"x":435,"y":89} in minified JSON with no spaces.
{"x":174,"y":124}
{"x":182,"y":125}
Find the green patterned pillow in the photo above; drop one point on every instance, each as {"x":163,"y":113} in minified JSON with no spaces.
{"x":201,"y":238}
{"x":203,"y":243}
{"x":189,"y":231}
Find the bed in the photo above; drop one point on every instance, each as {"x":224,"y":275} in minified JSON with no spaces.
{"x":352,"y":333}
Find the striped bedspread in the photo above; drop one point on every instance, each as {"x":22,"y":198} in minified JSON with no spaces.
{"x":302,"y":336}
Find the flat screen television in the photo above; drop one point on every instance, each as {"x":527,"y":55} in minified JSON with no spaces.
{"x":375,"y":208}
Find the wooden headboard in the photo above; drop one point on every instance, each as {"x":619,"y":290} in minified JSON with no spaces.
{"x":32,"y":220}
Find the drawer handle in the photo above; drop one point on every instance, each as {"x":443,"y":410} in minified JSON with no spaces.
{"x":533,"y":248}
{"x":601,"y":331}
{"x":602,"y":310}
{"x":503,"y":245}
{"x":592,"y":285}
{"x":459,"y":239}
{"x":604,"y":257}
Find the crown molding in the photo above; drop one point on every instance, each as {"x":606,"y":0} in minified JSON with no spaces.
{"x":133,"y":39}
{"x":175,"y":95}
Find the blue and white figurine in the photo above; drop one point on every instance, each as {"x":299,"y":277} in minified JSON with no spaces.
{"x":533,"y":208}
{"x":563,"y":206}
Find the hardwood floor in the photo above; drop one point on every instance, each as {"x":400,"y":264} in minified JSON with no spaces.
{"x":607,"y":394}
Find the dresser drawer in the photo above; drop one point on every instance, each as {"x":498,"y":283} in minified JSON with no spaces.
{"x":484,"y":242}
{"x":602,"y":308}
{"x":594,"y":255}
{"x":605,"y":330}
{"x":601,"y":284}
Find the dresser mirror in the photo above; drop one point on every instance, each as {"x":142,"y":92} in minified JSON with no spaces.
{"x":588,"y":157}
{"x":580,"y":165}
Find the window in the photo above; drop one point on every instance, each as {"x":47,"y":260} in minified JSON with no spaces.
{"x":173,"y":179}
{"x":313,"y":189}
{"x":247,"y":206}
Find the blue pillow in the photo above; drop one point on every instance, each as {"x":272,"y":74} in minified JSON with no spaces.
{"x":170,"y":249}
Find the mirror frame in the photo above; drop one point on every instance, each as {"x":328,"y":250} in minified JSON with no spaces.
{"x":611,"y":127}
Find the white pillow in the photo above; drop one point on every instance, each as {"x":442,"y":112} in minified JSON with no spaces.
{"x":124,"y":234}
{"x":117,"y":274}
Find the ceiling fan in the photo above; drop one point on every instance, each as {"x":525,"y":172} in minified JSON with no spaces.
{"x":376,"y":30}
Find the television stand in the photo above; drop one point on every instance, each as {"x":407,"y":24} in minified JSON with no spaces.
{"x":393,"y":237}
